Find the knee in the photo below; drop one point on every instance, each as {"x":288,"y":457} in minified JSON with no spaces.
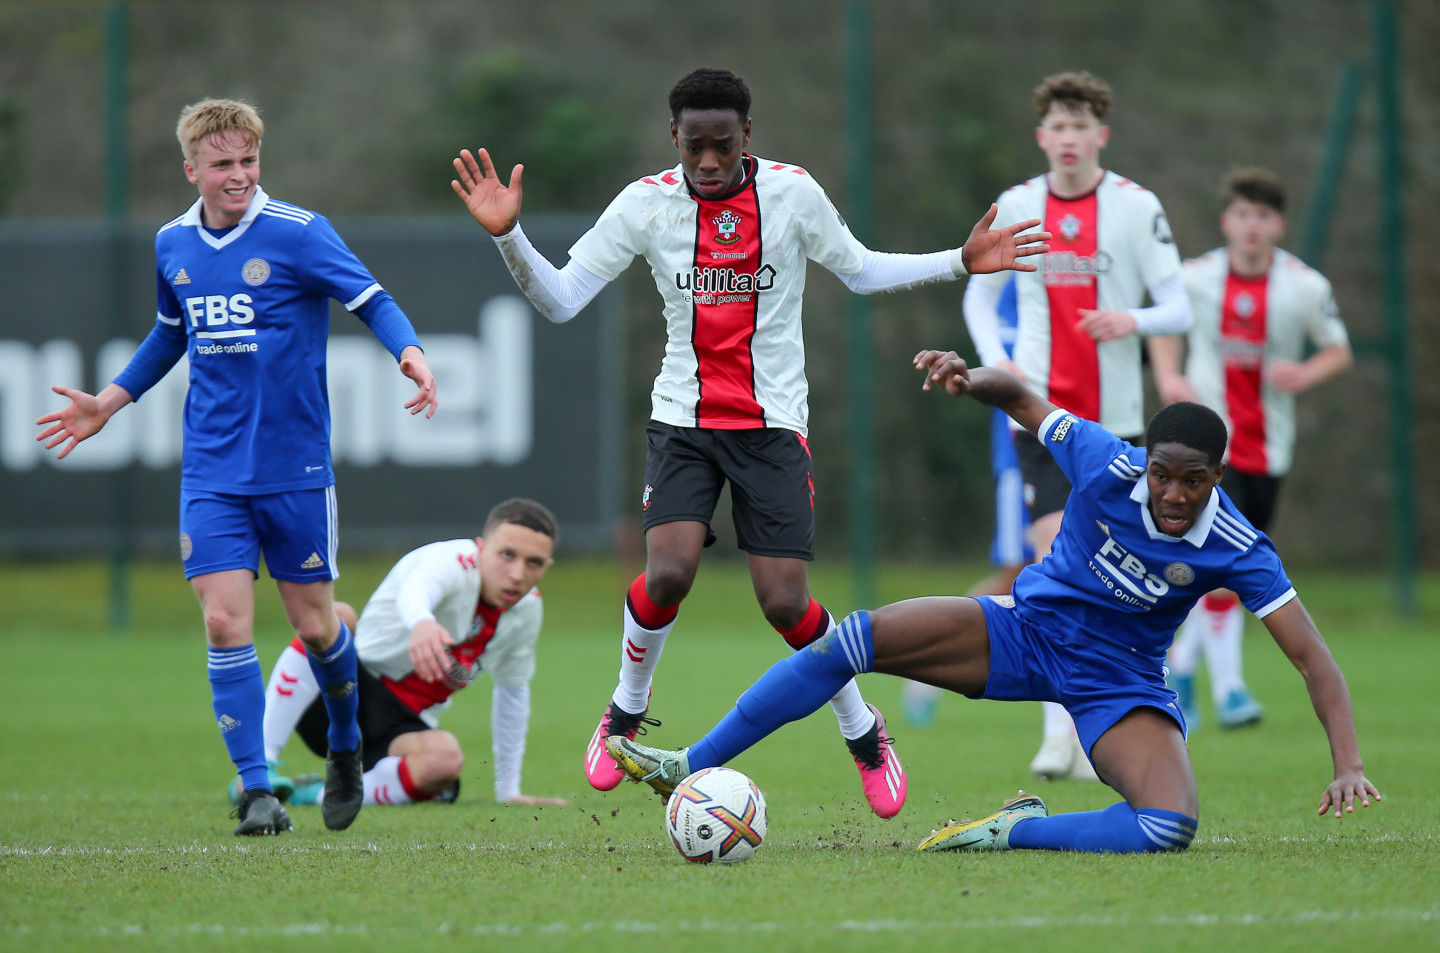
{"x":668,"y":583}
{"x":317,"y":631}
{"x":441,"y":762}
{"x":784,"y":610}
{"x":225,"y":629}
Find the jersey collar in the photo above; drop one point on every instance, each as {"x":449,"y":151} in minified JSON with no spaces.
{"x":1196,"y":535}
{"x":192,"y":218}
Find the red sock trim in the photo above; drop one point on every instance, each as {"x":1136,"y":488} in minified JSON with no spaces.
{"x":407,"y":783}
{"x":645,"y":611}
{"x":298,"y":646}
{"x":1220,"y":602}
{"x":814,"y":624}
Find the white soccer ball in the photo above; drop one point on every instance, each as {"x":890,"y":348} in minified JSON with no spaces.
{"x":716,"y":814}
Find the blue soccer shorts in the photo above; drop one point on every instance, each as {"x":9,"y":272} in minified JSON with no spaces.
{"x":296,"y":531}
{"x":1097,"y":689}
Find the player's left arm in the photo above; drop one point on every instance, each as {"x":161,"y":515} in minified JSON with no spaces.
{"x":990,"y":386}
{"x":1151,"y":251}
{"x":512,"y":671}
{"x":1296,"y":634}
{"x":1327,"y":332}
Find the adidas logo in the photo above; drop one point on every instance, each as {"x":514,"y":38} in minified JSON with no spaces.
{"x":181,"y":278}
{"x":314,"y":562}
{"x":228,"y":724}
{"x":343,"y":690}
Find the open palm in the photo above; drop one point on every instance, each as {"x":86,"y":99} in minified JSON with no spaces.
{"x":494,"y":205}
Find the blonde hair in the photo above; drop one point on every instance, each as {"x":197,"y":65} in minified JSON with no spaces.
{"x":1074,"y":92}
{"x":217,"y":117}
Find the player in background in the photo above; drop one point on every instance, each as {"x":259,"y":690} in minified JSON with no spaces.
{"x":443,"y":614}
{"x":726,"y":234}
{"x":1011,"y":550}
{"x":243,"y":287}
{"x":1256,"y":306}
{"x":1148,"y":533}
{"x":1080,"y":317}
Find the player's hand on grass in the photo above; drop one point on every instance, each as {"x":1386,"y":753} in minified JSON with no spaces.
{"x":1106,"y":325}
{"x":988,"y":249}
{"x":428,"y":642}
{"x":945,"y":368}
{"x":414,"y":366}
{"x":1342,"y":793}
{"x":494,"y":205}
{"x":81,"y":418}
{"x":529,"y":800}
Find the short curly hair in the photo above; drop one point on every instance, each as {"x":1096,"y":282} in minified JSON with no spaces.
{"x":1074,"y":92}
{"x":1253,"y":184}
{"x":1191,"y":425}
{"x":710,"y":88}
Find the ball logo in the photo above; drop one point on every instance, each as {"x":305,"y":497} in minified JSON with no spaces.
{"x":1070,"y":227}
{"x":256,"y":271}
{"x":726,"y":222}
{"x":1244,"y":305}
{"x":1179,"y":574}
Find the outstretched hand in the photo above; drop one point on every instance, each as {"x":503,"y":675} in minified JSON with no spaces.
{"x":1341,"y":794}
{"x":428,"y":642}
{"x":988,"y":249}
{"x":494,"y":205}
{"x":80,"y":419}
{"x":414,"y":366}
{"x":945,"y":368}
{"x":529,"y":800}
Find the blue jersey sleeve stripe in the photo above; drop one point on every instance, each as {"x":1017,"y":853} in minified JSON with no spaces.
{"x":1236,"y":527}
{"x":173,"y":322}
{"x":1274,"y":604}
{"x":363,"y":297}
{"x":306,"y":214}
{"x":1230,"y":536}
{"x":281,"y":213}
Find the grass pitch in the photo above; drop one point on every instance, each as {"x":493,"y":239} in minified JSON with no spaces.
{"x":114,"y":835}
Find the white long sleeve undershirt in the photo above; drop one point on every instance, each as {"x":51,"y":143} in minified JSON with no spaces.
{"x":561,"y":293}
{"x":1170,"y":314}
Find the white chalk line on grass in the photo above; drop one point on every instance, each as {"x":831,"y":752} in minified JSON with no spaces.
{"x":674,"y":928}
{"x":269,"y":848}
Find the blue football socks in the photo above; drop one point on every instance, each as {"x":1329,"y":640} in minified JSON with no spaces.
{"x":336,"y":673}
{"x":790,"y":690}
{"x":237,"y":694}
{"x":1119,"y":829}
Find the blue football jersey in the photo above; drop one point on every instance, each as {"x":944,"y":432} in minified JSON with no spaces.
{"x":251,"y":310}
{"x":1113,"y":580}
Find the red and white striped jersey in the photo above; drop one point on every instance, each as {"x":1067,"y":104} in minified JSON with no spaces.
{"x":1108,"y":246}
{"x":1241,"y":324}
{"x":731,"y":271}
{"x":499,"y":642}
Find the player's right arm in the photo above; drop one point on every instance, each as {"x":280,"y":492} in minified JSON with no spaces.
{"x":1170,"y":381}
{"x":557,"y":293}
{"x":990,"y":386}
{"x":416,"y":599}
{"x":1295,"y":632}
{"x":83,"y":418}
{"x":982,"y":319}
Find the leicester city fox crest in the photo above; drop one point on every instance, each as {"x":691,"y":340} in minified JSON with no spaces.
{"x":726,"y":223}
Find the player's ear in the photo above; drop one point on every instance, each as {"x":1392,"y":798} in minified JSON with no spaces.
{"x":1104,"y":135}
{"x":479,"y":545}
{"x":1219,"y":473}
{"x":674,"y":133}
{"x":745,"y":134}
{"x":190,"y":173}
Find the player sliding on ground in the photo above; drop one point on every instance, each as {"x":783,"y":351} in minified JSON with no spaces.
{"x":1147,"y":532}
{"x":727,"y":235}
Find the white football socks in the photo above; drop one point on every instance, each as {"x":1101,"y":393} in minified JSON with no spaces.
{"x":639,"y":654}
{"x":1223,"y":635}
{"x":1057,"y":719}
{"x":291,"y":690}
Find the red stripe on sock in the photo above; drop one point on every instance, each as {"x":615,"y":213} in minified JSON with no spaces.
{"x":645,"y":611}
{"x":408,"y":783}
{"x":811,"y":627}
{"x":298,"y":646}
{"x":1220,"y":601}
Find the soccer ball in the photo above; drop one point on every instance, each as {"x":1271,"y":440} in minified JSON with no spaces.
{"x":716,"y":814}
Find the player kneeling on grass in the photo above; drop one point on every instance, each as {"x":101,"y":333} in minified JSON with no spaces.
{"x":444,"y":613}
{"x":1147,"y":532}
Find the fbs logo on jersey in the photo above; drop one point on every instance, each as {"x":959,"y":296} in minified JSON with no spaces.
{"x":726,"y":222}
{"x":645,"y":497}
{"x":228,"y":724}
{"x":181,"y":278}
{"x":1070,"y":227}
{"x":314,"y":562}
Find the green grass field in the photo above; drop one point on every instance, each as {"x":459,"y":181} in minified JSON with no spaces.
{"x":114,"y":835}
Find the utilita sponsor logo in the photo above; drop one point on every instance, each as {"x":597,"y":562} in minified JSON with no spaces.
{"x":724,"y":280}
{"x":1066,"y":267}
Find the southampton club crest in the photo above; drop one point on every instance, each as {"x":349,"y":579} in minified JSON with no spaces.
{"x":645,"y":497}
{"x":725,"y":224}
{"x":1070,"y":227}
{"x":1244,"y":306}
